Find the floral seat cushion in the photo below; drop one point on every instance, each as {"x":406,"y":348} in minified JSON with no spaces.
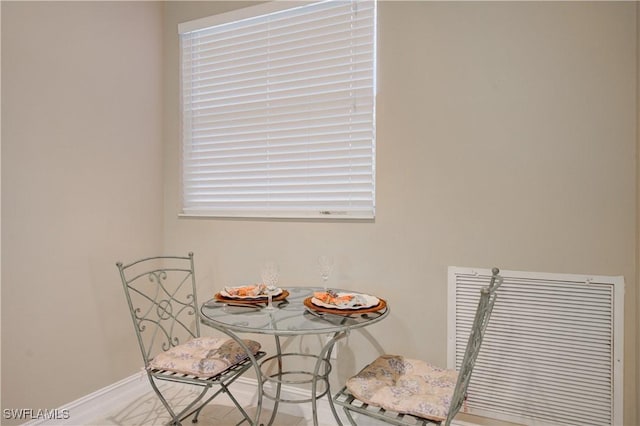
{"x":405,"y":386}
{"x":203,"y":356}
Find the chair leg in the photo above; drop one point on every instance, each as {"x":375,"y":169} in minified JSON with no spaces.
{"x":186,"y":412}
{"x":196,"y":411}
{"x":177,"y":418}
{"x":349,"y":416}
{"x":194,"y":408}
{"x":223,"y":388}
{"x":237,"y":404}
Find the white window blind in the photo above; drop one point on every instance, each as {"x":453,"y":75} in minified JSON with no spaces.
{"x":278,"y":114}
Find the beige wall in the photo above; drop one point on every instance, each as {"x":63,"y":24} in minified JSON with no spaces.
{"x":81,"y":189}
{"x":506,"y":136}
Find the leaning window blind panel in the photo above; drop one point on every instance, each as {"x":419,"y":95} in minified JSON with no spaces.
{"x":278,"y":113}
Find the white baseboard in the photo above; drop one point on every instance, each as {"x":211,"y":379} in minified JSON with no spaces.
{"x":90,"y":407}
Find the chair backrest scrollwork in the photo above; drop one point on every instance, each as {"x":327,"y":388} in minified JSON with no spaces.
{"x":161,"y":294}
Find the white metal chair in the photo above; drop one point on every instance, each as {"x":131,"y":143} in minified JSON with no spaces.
{"x":402,"y":391}
{"x":161,"y":293}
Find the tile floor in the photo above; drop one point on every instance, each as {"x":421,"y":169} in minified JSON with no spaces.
{"x":141,"y":406}
{"x":146,"y":409}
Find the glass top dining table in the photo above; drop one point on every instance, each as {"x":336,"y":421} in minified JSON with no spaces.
{"x":292,"y":315}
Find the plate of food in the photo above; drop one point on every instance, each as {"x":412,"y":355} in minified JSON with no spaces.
{"x":253,"y":291}
{"x":344,"y":300}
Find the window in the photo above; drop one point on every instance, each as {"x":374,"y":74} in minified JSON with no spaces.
{"x":278,"y":111}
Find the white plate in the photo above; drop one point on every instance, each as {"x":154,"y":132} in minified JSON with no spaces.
{"x":368,"y":301}
{"x":224,"y":293}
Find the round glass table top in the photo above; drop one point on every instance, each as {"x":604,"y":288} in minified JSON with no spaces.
{"x":290,"y":316}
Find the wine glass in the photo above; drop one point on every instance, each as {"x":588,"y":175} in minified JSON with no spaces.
{"x":270,"y":274}
{"x":326,"y":267}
